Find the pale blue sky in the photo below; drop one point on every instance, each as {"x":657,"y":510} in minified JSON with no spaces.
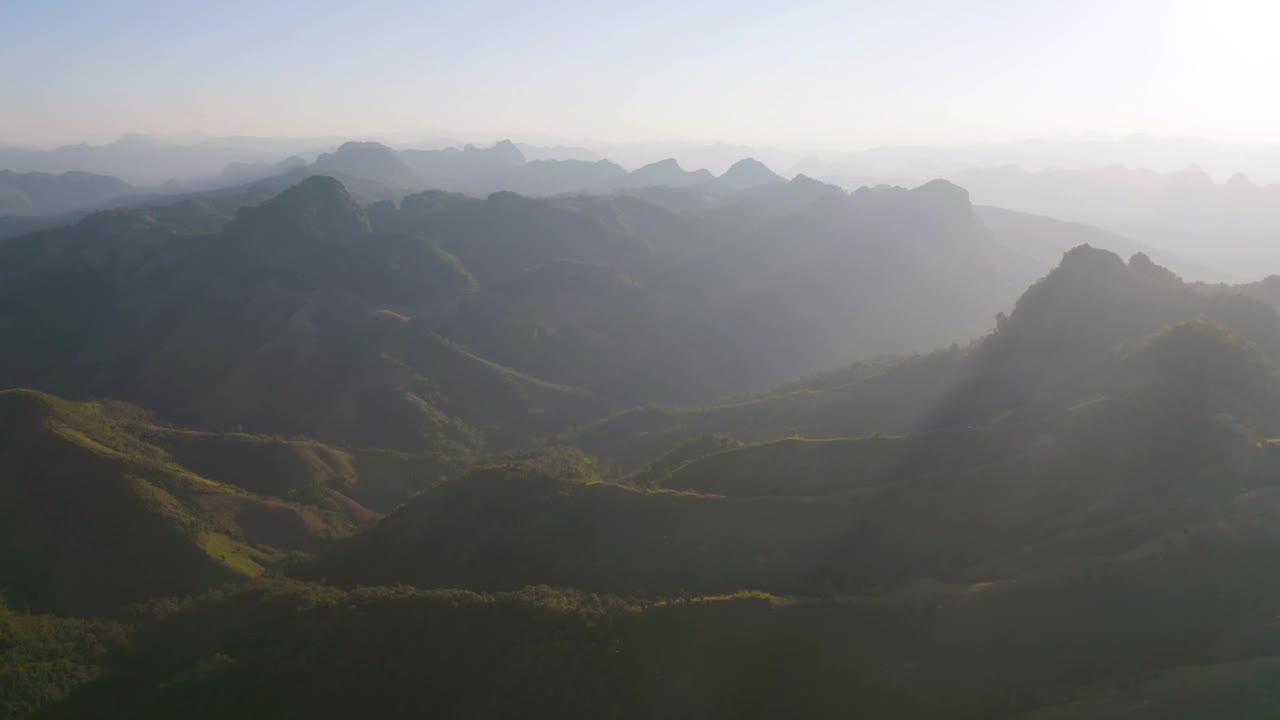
{"x":799,"y":74}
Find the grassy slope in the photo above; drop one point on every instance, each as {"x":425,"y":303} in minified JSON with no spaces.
{"x":95,"y":517}
{"x":1161,"y":451}
{"x":360,"y":484}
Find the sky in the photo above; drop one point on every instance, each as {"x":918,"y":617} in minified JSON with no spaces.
{"x":789,"y":74}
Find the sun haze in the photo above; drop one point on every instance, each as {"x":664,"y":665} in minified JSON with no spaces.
{"x":839,"y":74}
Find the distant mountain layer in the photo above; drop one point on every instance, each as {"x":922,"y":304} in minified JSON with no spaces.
{"x":147,"y":161}
{"x":1162,"y":155}
{"x":36,"y":194}
{"x":458,"y":323}
{"x":1228,"y":228}
{"x":504,"y":167}
{"x":1198,"y":228}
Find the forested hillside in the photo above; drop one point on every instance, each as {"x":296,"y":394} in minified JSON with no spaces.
{"x":699,"y":452}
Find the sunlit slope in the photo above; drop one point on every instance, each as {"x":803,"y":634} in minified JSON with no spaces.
{"x":1119,"y":474}
{"x":1054,"y":350}
{"x":301,"y":470}
{"x":96,"y":515}
{"x":1054,"y":442}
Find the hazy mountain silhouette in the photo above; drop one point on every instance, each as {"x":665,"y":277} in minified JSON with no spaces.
{"x":1227,"y":228}
{"x":45,"y":194}
{"x":745,"y":174}
{"x":664,"y":173}
{"x":1162,"y":155}
{"x":369,"y":160}
{"x":618,"y":298}
{"x":146,"y":161}
{"x":243,"y":172}
{"x":533,"y":153}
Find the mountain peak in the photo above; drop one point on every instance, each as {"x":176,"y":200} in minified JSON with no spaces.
{"x":1143,"y":265}
{"x":750,"y":167}
{"x":1240,"y":183}
{"x":666,"y":172}
{"x":943,"y":189}
{"x":746,"y":173}
{"x":370,"y":160}
{"x":317,"y":210}
{"x":808,"y":184}
{"x":503,"y":153}
{"x":1090,"y":259}
{"x":314,"y":189}
{"x":1192,"y":177}
{"x":354,"y":146}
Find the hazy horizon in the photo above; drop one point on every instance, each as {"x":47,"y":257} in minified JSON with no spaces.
{"x":441,"y":138}
{"x":704,"y":359}
{"x":825,"y":76}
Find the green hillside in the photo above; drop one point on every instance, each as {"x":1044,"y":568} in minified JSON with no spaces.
{"x":102,"y":508}
{"x":505,"y":526}
{"x":289,"y":650}
{"x":1137,"y":476}
{"x":363,"y":445}
{"x":1078,"y":643}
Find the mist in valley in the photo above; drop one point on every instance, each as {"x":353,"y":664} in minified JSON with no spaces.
{"x":697,"y":360}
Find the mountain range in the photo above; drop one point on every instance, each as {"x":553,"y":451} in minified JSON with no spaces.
{"x":599,"y":302}
{"x":701,"y":446}
{"x":1199,"y":228}
{"x":1103,"y":517}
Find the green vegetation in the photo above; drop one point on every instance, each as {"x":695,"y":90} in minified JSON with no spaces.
{"x":100,"y":506}
{"x":411,"y":460}
{"x":291,"y":650}
{"x":43,"y":658}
